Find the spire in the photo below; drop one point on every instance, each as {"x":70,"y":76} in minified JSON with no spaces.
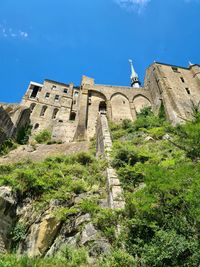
{"x":135,"y":83}
{"x":190,"y":64}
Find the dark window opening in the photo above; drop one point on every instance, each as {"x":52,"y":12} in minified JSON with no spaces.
{"x":32,"y":106}
{"x":60,"y":121}
{"x":56,"y":97}
{"x":72,"y":116}
{"x":89,"y":94}
{"x":44,"y":108}
{"x":182,"y":79}
{"x":188,"y":91}
{"x":36,"y":126}
{"x":65,"y":91}
{"x":55,"y":111}
{"x":35,"y":90}
{"x":47,"y":95}
{"x":102,"y":106}
{"x":75,"y":93}
{"x":124,"y":102}
{"x":175,"y":69}
{"x":53,"y":87}
{"x":74,"y":102}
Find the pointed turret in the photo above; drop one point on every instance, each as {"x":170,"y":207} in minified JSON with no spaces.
{"x":135,"y":83}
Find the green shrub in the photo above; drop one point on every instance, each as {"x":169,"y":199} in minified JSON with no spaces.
{"x":156,"y":133}
{"x":168,"y":248}
{"x":126,"y":153}
{"x":187,"y":138}
{"x":118,"y":258}
{"x":7,"y":146}
{"x":43,"y":137}
{"x":89,"y":206}
{"x":130,"y":177}
{"x":75,"y":257}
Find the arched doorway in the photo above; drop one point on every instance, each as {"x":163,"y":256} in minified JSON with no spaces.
{"x":96,"y":103}
{"x":102,"y":107}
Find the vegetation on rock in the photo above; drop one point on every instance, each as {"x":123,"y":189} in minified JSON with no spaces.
{"x":159,"y":169}
{"x":160,"y":172}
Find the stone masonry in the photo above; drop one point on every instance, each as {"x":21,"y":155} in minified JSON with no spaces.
{"x":104,"y":147}
{"x":70,"y":112}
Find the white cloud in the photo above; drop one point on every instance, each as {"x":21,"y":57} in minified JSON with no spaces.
{"x":139,"y":5}
{"x":23,"y":34}
{"x":132,"y":5}
{"x":7,"y":32}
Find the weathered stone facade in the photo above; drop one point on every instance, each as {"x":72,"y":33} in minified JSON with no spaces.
{"x":70,"y":112}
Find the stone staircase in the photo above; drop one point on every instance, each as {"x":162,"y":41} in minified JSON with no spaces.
{"x":104,"y":148}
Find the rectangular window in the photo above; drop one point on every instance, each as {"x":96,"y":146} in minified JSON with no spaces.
{"x":56,"y":97}
{"x":53,"y":87}
{"x":47,"y":95}
{"x":74,"y":102}
{"x":65,"y":91}
{"x":34,"y":92}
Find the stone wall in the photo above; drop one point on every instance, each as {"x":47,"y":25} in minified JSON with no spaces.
{"x":177,"y":87}
{"x":53,"y":105}
{"x":121,"y":103}
{"x":104,"y":147}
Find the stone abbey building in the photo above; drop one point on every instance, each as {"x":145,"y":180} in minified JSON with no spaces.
{"x":70,"y":112}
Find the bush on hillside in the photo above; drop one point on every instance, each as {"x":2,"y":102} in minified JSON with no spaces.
{"x":43,"y":137}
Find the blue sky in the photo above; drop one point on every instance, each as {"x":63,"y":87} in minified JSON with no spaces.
{"x":65,"y":39}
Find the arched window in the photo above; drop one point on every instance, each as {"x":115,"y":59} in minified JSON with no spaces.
{"x":36,"y":126}
{"x":55,"y":111}
{"x":32,"y":106}
{"x":72,"y":116}
{"x":43,"y":110}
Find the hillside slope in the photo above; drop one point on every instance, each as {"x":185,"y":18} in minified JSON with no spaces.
{"x":55,"y":211}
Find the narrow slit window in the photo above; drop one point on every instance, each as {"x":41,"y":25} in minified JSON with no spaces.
{"x":32,"y":106}
{"x":55,"y":111}
{"x":182,"y":79}
{"x":188,"y":91}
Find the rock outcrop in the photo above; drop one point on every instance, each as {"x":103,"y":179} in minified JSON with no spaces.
{"x":13,"y":118}
{"x":45,"y":234}
{"x":8,"y":217}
